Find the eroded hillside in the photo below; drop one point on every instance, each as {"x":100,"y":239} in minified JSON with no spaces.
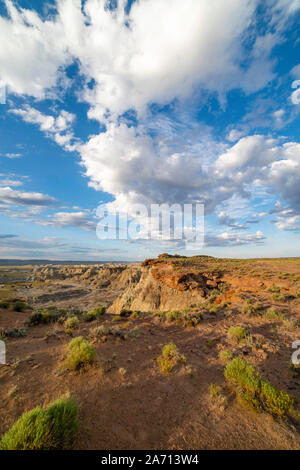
{"x":215,"y":311}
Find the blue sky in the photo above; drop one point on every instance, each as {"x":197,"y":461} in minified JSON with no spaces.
{"x":149,"y":102}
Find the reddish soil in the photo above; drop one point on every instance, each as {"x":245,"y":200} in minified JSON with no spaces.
{"x":126,"y":402}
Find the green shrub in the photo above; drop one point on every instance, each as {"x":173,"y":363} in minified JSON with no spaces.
{"x":35,"y":318}
{"x":258,"y":393}
{"x":80,"y":353}
{"x":173,"y":316}
{"x":185,"y":319}
{"x":4,"y":304}
{"x":117,"y":318}
{"x":44,"y":317}
{"x":71,"y":323}
{"x":210,"y":343}
{"x":237,"y":333}
{"x":125,"y":313}
{"x":169,"y":358}
{"x":44,"y":428}
{"x":94,"y":314}
{"x":135,"y":315}
{"x":225,"y":355}
{"x":19,"y":306}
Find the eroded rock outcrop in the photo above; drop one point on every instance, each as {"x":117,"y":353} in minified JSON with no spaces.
{"x":160,"y":286}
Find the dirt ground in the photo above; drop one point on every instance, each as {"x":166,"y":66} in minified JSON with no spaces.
{"x":126,"y":402}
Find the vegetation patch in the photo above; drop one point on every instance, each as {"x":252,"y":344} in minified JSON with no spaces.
{"x":80,"y":353}
{"x":94,"y":314}
{"x":103,"y":332}
{"x":252,"y":308}
{"x":225,"y":355}
{"x":44,"y":428}
{"x":170,"y":358}
{"x":237,"y":334}
{"x":71,"y":323}
{"x":44,"y":317}
{"x":258,"y":393}
{"x":19,"y":306}
{"x":184,"y":318}
{"x":4,"y":304}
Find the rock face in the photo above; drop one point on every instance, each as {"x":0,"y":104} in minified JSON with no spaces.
{"x":94,"y":276}
{"x":154,"y":286}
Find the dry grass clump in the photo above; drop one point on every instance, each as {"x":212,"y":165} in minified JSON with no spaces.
{"x":225,"y":355}
{"x":170,"y":358}
{"x":102,"y":332}
{"x":237,"y":333}
{"x":71,"y":323}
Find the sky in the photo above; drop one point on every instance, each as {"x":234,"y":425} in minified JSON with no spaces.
{"x":149,"y":102}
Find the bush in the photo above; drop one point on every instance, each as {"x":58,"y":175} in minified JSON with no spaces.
{"x":4,"y":304}
{"x":183,"y":318}
{"x":169,"y":358}
{"x":258,"y":393}
{"x":174,"y":316}
{"x":117,"y":318}
{"x":237,"y":333}
{"x":44,"y":428}
{"x":94,"y":314}
{"x":214,"y":390}
{"x":135,"y":315}
{"x":71,"y":323}
{"x":103,"y":332}
{"x":19,"y":306}
{"x":252,"y":309}
{"x":44,"y":317}
{"x":225,"y":355}
{"x":80,"y":353}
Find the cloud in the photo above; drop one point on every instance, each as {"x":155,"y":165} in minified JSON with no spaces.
{"x":10,"y":182}
{"x":226,"y":219}
{"x":11,"y":155}
{"x":132,"y":58}
{"x":12,"y":196}
{"x":71,"y":219}
{"x":38,"y":70}
{"x":7,"y":236}
{"x":232,"y":239}
{"x":57,"y":128}
{"x":156,"y":53}
{"x":288,"y":223}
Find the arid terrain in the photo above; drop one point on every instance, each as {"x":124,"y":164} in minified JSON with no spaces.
{"x":126,"y":398}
